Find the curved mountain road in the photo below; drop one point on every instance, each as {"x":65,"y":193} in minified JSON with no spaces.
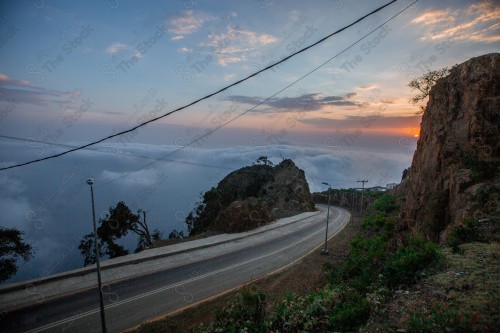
{"x":132,"y":301}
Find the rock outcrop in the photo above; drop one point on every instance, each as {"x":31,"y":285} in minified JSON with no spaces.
{"x":252,"y":196}
{"x":454,"y":173}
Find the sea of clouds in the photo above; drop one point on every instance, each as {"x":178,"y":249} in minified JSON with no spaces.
{"x":50,"y":201}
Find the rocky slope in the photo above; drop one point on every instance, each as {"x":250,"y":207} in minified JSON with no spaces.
{"x":454,"y":175}
{"x":252,"y":196}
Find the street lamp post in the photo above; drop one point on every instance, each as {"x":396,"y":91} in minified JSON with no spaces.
{"x":325,"y":250}
{"x":90,"y":181}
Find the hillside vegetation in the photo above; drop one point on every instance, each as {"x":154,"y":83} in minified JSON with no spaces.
{"x":252,"y":196}
{"x":396,"y":278}
{"x":427,"y":256}
{"x":414,"y":287}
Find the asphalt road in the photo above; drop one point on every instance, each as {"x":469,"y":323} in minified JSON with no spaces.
{"x":139,"y":299}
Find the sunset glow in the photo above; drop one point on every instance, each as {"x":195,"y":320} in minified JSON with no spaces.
{"x":125,"y":75}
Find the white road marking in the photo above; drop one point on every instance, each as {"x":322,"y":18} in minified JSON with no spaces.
{"x":162,"y":289}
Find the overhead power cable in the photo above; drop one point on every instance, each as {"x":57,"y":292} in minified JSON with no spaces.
{"x":199,"y":138}
{"x":127,"y":154}
{"x":207,"y":96}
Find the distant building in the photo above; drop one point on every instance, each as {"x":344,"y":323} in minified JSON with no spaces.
{"x":390,"y":185}
{"x":376,"y":189}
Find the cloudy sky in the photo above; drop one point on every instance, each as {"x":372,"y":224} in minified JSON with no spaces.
{"x":74,"y":72}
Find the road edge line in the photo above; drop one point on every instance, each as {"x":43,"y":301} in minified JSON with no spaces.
{"x":37,"y":282}
{"x":173,"y":313}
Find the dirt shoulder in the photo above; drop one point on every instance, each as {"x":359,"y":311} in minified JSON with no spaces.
{"x":301,"y":278}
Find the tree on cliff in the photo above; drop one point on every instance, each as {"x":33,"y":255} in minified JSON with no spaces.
{"x":405,"y":174}
{"x":264,"y":161}
{"x":205,"y":212}
{"x":424,"y":84}
{"x":118,"y":222}
{"x":12,"y":247}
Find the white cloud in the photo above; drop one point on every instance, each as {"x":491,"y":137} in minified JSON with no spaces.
{"x":178,"y":37}
{"x":22,"y":91}
{"x":13,"y":203}
{"x":294,"y":15}
{"x":433,"y":17}
{"x":475,"y":23}
{"x":146,"y":177}
{"x":366,"y":87}
{"x":266,"y":39}
{"x":116,"y":47}
{"x":187,"y":23}
{"x":236,"y":45}
{"x":14,"y":211}
{"x":168,"y":191}
{"x":6,"y":80}
{"x":225,"y":60}
{"x":11,"y":186}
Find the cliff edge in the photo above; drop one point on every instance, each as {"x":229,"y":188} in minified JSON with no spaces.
{"x":454,"y":175}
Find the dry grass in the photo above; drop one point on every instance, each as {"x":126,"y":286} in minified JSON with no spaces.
{"x":465,"y":288}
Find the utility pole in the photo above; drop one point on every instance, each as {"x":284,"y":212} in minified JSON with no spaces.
{"x":90,"y":182}
{"x":362,"y":190}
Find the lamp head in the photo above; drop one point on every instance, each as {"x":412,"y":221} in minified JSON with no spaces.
{"x":90,"y":181}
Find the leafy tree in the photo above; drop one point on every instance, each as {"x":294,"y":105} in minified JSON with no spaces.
{"x":12,"y":247}
{"x":264,"y":161}
{"x":118,"y":223}
{"x":142,"y":241}
{"x":424,"y":84}
{"x":174,"y":234}
{"x":207,"y":210}
{"x":87,"y":249}
{"x":405,"y":173}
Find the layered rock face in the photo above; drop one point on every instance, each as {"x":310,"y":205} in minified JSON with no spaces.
{"x":454,"y":173}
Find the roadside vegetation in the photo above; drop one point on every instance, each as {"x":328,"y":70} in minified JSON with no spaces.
{"x":117,"y":223}
{"x":354,"y":288}
{"x":369,"y":284}
{"x":12,"y":248}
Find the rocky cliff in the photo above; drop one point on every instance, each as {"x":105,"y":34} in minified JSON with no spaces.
{"x":252,"y":196}
{"x":454,"y":174}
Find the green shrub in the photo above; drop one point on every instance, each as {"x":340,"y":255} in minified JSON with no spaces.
{"x":487,"y":192}
{"x":438,"y":318}
{"x":350,"y":313}
{"x":374,"y":221}
{"x":343,"y":305}
{"x":297,"y":313}
{"x":403,"y":266}
{"x":385,"y":203}
{"x":244,"y":314}
{"x":370,"y":262}
{"x":332,"y":309}
{"x":469,"y":231}
{"x":481,"y":169}
{"x":365,"y":260}
{"x":379,"y":222}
